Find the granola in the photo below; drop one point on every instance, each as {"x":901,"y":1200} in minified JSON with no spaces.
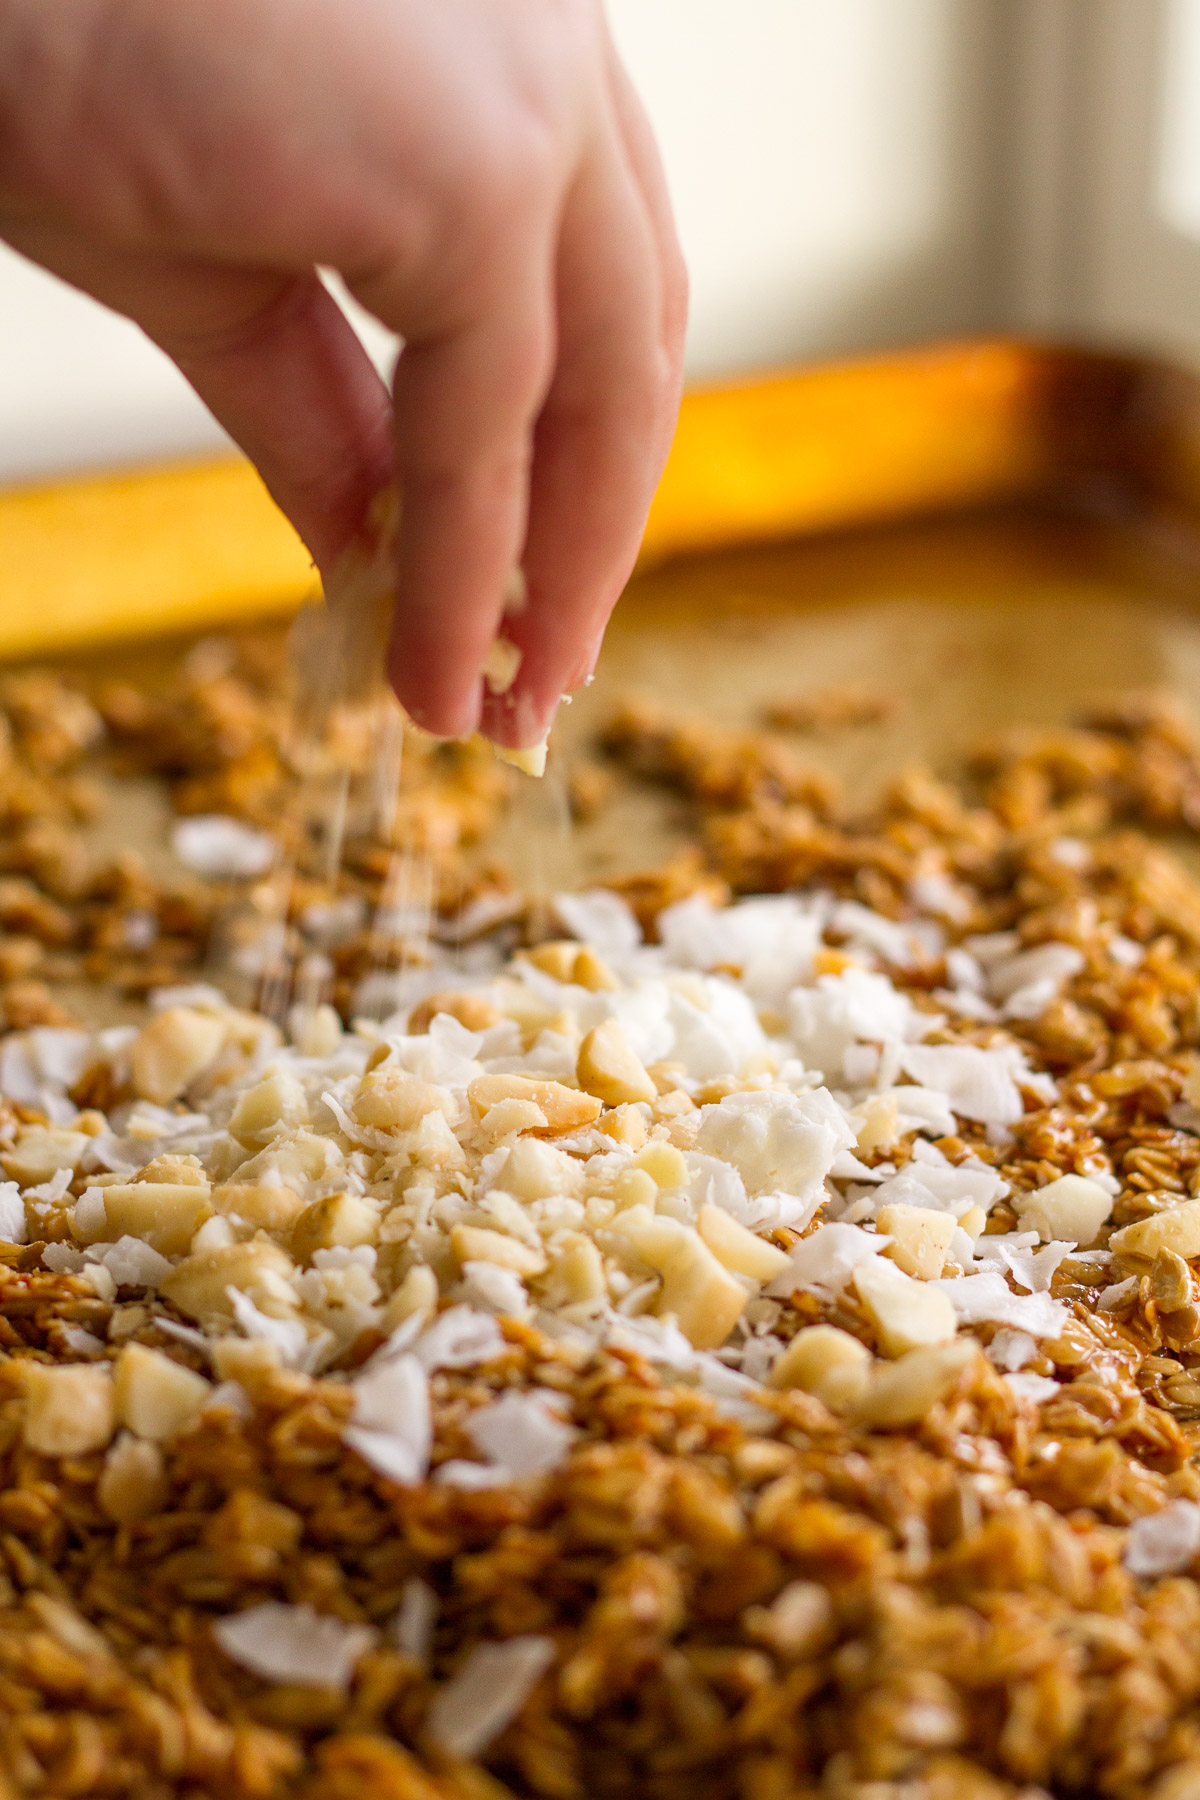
{"x":751,"y":1346}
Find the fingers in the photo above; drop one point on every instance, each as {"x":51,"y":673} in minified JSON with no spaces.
{"x":274,"y":359}
{"x":295,"y":389}
{"x":466,"y":399}
{"x":600,"y":439}
{"x":641,"y":148}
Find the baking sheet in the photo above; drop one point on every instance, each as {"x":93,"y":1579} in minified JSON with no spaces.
{"x":971,"y":623}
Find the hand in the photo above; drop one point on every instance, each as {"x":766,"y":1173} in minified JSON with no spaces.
{"x":481,"y":174}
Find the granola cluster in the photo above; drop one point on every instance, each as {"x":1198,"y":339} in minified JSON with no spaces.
{"x":311,"y":856}
{"x":746,"y":1345}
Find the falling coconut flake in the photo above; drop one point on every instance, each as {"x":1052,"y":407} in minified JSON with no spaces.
{"x":294,"y":1644}
{"x":487,"y":1693}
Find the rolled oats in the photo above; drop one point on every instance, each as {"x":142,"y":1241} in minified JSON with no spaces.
{"x":765,"y":1545}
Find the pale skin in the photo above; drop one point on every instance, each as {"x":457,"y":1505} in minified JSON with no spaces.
{"x":482,"y":175}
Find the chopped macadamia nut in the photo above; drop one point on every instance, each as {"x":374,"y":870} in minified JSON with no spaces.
{"x":473,"y":1011}
{"x":704,"y":1298}
{"x":474,"y":1243}
{"x":739,"y":1249}
{"x":134,"y":1483}
{"x":417,"y":1293}
{"x":1176,"y":1229}
{"x":69,"y":1411}
{"x":244,"y":1359}
{"x":391,"y":1099}
{"x":1071,"y":1209}
{"x":634,"y":1187}
{"x":878,"y":1121}
{"x":500,"y":665}
{"x":530,"y":761}
{"x":509,"y":1117}
{"x":563,"y":1108}
{"x":165,"y":1216}
{"x":906,"y":1313}
{"x":199,"y":1286}
{"x":276,"y":1103}
{"x":175,"y":1171}
{"x":665,"y":1165}
{"x":340,"y":1220}
{"x":557,"y":957}
{"x":578,"y":1273}
{"x":40,"y":1152}
{"x":173,"y":1050}
{"x":827,"y":1362}
{"x":920,"y":1238}
{"x":266,"y":1206}
{"x":608,"y":1068}
{"x":625,"y":1125}
{"x":317,"y":1031}
{"x":902,"y":1392}
{"x":154,"y":1395}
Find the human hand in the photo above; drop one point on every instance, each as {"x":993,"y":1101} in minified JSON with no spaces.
{"x":481,"y":174}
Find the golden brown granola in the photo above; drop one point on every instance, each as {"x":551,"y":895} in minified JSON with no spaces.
{"x":923,"y":1597}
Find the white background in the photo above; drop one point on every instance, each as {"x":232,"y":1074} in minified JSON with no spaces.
{"x":847,"y":174}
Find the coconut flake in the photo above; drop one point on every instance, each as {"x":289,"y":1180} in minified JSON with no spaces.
{"x":778,"y":1142}
{"x":1010,"y":1350}
{"x":942,"y":1186}
{"x":294,"y":1644}
{"x":220,"y":847}
{"x":20,"y":1077}
{"x":978,"y":1083}
{"x":132,"y":1262}
{"x":460,"y":1339}
{"x":772,"y":940}
{"x":288,"y":1335}
{"x":1033,"y":1388}
{"x":828,"y":1020}
{"x":658,"y":1340}
{"x":823,"y":1262}
{"x":411,"y":1631}
{"x":1165,"y":1542}
{"x":1113,"y":1298}
{"x":988,"y":1299}
{"x":894,"y":943}
{"x":12,"y":1214}
{"x":601,"y":919}
{"x":1031,"y":1268}
{"x":521,"y":1433}
{"x":62,"y":1259}
{"x":82,"y":1342}
{"x":61,"y":1052}
{"x":473,"y":1477}
{"x":1051,"y":964}
{"x":489,"y":1288}
{"x":485,"y":1695}
{"x":393,"y":1429}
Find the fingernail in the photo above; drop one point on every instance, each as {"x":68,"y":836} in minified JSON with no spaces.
{"x":459,"y":721}
{"x":586,"y":668}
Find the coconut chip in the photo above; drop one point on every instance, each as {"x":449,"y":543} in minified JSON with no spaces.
{"x":485,"y":1695}
{"x":1165,"y":1542}
{"x":294,"y":1644}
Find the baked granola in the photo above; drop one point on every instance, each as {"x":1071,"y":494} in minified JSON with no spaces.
{"x":748,"y":1346}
